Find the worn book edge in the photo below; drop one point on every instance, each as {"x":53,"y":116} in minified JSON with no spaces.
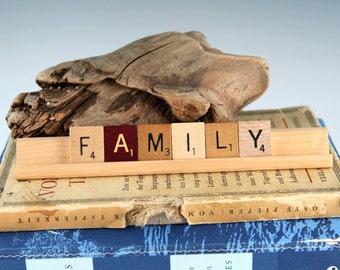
{"x":159,"y":209}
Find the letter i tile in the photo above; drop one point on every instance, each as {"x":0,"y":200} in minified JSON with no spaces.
{"x":254,"y":138}
{"x":188,"y":140}
{"x":87,"y":144}
{"x":120,"y":143}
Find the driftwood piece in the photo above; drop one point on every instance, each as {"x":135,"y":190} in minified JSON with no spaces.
{"x":163,"y":78}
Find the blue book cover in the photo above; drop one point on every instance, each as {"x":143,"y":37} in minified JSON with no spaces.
{"x":286,"y":244}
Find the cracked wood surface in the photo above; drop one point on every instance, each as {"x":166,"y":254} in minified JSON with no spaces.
{"x":165,"y":78}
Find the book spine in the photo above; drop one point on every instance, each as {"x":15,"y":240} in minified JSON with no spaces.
{"x":261,"y":207}
{"x":192,"y":210}
{"x":160,"y":199}
{"x":67,"y":217}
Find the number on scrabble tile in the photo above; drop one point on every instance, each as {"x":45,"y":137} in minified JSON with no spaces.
{"x":154,"y":142}
{"x":254,"y":138}
{"x":120,"y":143}
{"x":221,"y":140}
{"x":188,"y":140}
{"x":87,"y":144}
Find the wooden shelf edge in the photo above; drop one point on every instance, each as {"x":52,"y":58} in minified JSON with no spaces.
{"x":106,"y":169}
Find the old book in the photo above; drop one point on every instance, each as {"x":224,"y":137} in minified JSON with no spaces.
{"x":194,"y":198}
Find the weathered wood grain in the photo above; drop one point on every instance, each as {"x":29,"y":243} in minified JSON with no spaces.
{"x":165,"y":78}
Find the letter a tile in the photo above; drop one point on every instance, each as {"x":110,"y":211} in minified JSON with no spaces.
{"x":87,"y":144}
{"x":154,"y":142}
{"x":120,"y":143}
{"x":221,"y":140}
{"x":254,"y":138}
{"x":188,"y":140}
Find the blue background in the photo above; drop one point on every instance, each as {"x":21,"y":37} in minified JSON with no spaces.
{"x":299,"y":39}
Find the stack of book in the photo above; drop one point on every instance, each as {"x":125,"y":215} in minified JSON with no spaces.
{"x":267,"y":219}
{"x":194,"y":198}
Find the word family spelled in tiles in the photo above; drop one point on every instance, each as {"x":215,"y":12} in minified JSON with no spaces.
{"x":194,"y":140}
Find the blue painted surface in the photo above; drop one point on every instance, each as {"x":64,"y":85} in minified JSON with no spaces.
{"x":277,"y":244}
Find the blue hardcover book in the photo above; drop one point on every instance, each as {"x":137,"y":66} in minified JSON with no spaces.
{"x":286,"y":244}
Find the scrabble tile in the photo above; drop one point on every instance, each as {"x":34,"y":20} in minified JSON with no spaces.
{"x":120,"y":143}
{"x":254,"y":138}
{"x":154,"y":142}
{"x":221,"y":140}
{"x":188,"y":140}
{"x":87,"y":144}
